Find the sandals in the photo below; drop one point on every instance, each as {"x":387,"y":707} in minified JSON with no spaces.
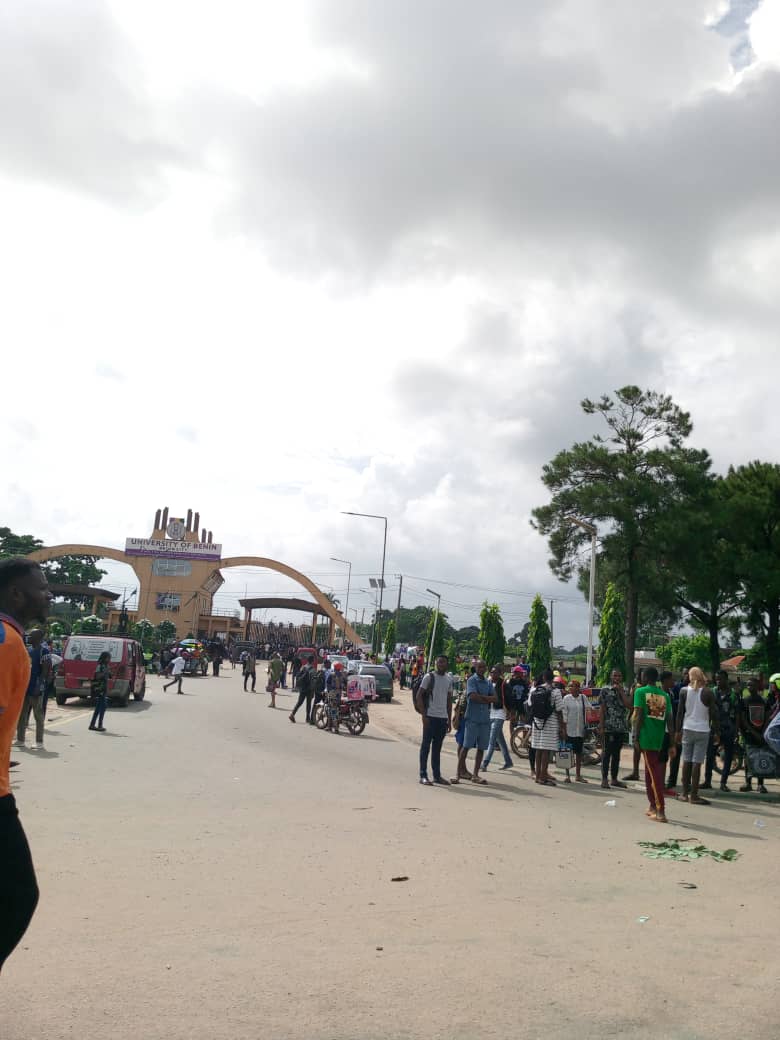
{"x":479,"y":780}
{"x":580,"y":780}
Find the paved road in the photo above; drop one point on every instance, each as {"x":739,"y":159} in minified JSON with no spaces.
{"x":210,"y":871}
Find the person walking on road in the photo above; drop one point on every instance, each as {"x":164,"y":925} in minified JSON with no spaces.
{"x":652,"y":718}
{"x":176,"y":671}
{"x":33,"y":701}
{"x":433,"y":701}
{"x":615,"y":706}
{"x":547,"y":726}
{"x":99,"y":689}
{"x":249,"y":667}
{"x":696,"y":719}
{"x":24,"y":598}
{"x":306,"y":680}
{"x":275,"y":668}
{"x":498,"y":716}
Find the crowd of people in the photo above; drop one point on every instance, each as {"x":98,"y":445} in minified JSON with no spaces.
{"x":688,"y":721}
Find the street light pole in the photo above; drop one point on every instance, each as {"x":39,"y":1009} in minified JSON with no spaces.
{"x":376,"y":516}
{"x":435,"y":623}
{"x":349,"y":582}
{"x":591,"y":529}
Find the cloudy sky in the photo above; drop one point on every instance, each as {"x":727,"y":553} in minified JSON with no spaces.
{"x":273,"y":261}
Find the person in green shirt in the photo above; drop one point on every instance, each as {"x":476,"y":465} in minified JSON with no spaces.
{"x":653,"y":717}
{"x":275,"y":668}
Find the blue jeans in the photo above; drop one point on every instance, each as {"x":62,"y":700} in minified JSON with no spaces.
{"x":434,"y":732}
{"x":99,"y":712}
{"x":497,"y":739}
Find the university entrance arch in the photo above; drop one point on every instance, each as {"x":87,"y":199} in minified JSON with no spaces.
{"x":177,"y":577}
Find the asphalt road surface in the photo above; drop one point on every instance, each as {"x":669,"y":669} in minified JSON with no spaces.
{"x":209,"y":870}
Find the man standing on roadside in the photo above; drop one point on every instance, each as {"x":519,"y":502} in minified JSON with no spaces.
{"x":24,"y":597}
{"x":652,"y":718}
{"x":33,"y":701}
{"x":615,"y":706}
{"x":306,"y":680}
{"x":433,"y":700}
{"x":726,"y":707}
{"x":480,"y":695}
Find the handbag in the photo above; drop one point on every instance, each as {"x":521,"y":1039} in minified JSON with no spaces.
{"x":564,"y":757}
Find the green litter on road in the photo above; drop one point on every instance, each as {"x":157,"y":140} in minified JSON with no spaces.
{"x":676,"y":849}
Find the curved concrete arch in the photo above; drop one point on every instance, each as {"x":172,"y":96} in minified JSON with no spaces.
{"x":54,"y":552}
{"x":320,"y":597}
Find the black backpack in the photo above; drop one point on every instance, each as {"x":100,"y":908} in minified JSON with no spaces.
{"x":420,"y":703}
{"x":319,"y":683}
{"x":304,"y":681}
{"x":541,"y":705}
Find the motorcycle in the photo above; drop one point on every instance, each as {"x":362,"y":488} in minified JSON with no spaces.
{"x":353,"y":714}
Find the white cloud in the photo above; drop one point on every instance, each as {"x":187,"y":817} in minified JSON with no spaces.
{"x":329,"y":256}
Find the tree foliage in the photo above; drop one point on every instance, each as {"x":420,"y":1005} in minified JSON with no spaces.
{"x":88,"y":625}
{"x":686,"y":651}
{"x":492,"y":641}
{"x":166,"y":632}
{"x":623,"y":483}
{"x":143,"y":631}
{"x":442,"y":626}
{"x":612,"y":636}
{"x":451,"y":650}
{"x":538,"y":651}
{"x":390,"y":639}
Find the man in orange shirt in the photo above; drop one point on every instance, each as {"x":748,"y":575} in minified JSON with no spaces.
{"x":24,"y":598}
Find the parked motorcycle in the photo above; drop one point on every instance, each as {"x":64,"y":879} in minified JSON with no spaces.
{"x":352,"y":713}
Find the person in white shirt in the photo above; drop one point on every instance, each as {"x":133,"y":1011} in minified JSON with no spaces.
{"x":574,"y":707}
{"x":175,"y":670}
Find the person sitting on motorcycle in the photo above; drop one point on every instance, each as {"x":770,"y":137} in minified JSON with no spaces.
{"x":753,"y":717}
{"x":335,"y":688}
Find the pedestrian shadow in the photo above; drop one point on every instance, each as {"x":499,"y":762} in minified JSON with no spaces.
{"x":41,"y":753}
{"x":108,"y":733}
{"x":132,"y":707}
{"x":690,"y":826}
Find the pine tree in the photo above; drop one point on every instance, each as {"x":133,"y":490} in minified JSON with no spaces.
{"x":538,"y":652}
{"x":492,"y":641}
{"x":612,"y":636}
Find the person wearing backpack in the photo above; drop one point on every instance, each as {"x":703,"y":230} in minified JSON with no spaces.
{"x":547,"y":726}
{"x":433,"y":701}
{"x":306,"y":681}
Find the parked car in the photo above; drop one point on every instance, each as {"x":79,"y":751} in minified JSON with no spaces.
{"x":382,"y":678}
{"x":341,"y":659}
{"x":79,"y":660}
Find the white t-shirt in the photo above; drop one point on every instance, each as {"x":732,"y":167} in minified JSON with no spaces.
{"x":177,"y":665}
{"x":437,"y":702}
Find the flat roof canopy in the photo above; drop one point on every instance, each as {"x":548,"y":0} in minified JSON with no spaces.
{"x":280,"y":603}
{"x":59,"y":589}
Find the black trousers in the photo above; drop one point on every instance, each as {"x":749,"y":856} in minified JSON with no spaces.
{"x":610,"y":760}
{"x":18,"y":886}
{"x":301,"y":698}
{"x":727,"y":740}
{"x":247,"y":677}
{"x":434,"y":732}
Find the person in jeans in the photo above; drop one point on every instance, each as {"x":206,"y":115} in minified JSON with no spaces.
{"x":696,"y":717}
{"x":306,"y":679}
{"x":652,"y":718}
{"x":668,"y":684}
{"x":499,"y":712}
{"x":434,"y":701}
{"x":726,"y":707}
{"x":476,"y":734}
{"x":33,"y":701}
{"x":24,"y":598}
{"x":613,"y":727}
{"x":100,"y":682}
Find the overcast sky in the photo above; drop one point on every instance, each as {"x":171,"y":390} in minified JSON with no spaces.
{"x":272,"y":261}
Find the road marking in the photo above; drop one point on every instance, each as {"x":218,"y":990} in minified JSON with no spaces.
{"x":63,"y":720}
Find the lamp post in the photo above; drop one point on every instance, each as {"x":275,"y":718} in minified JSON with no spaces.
{"x":376,"y":516}
{"x":435,"y":623}
{"x":349,"y":581}
{"x":591,"y":529}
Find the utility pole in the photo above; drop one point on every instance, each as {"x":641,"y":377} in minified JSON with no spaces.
{"x":398,"y":605}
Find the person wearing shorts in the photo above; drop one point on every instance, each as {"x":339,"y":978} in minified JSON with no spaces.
{"x":696,"y":718}
{"x":480,"y":695}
